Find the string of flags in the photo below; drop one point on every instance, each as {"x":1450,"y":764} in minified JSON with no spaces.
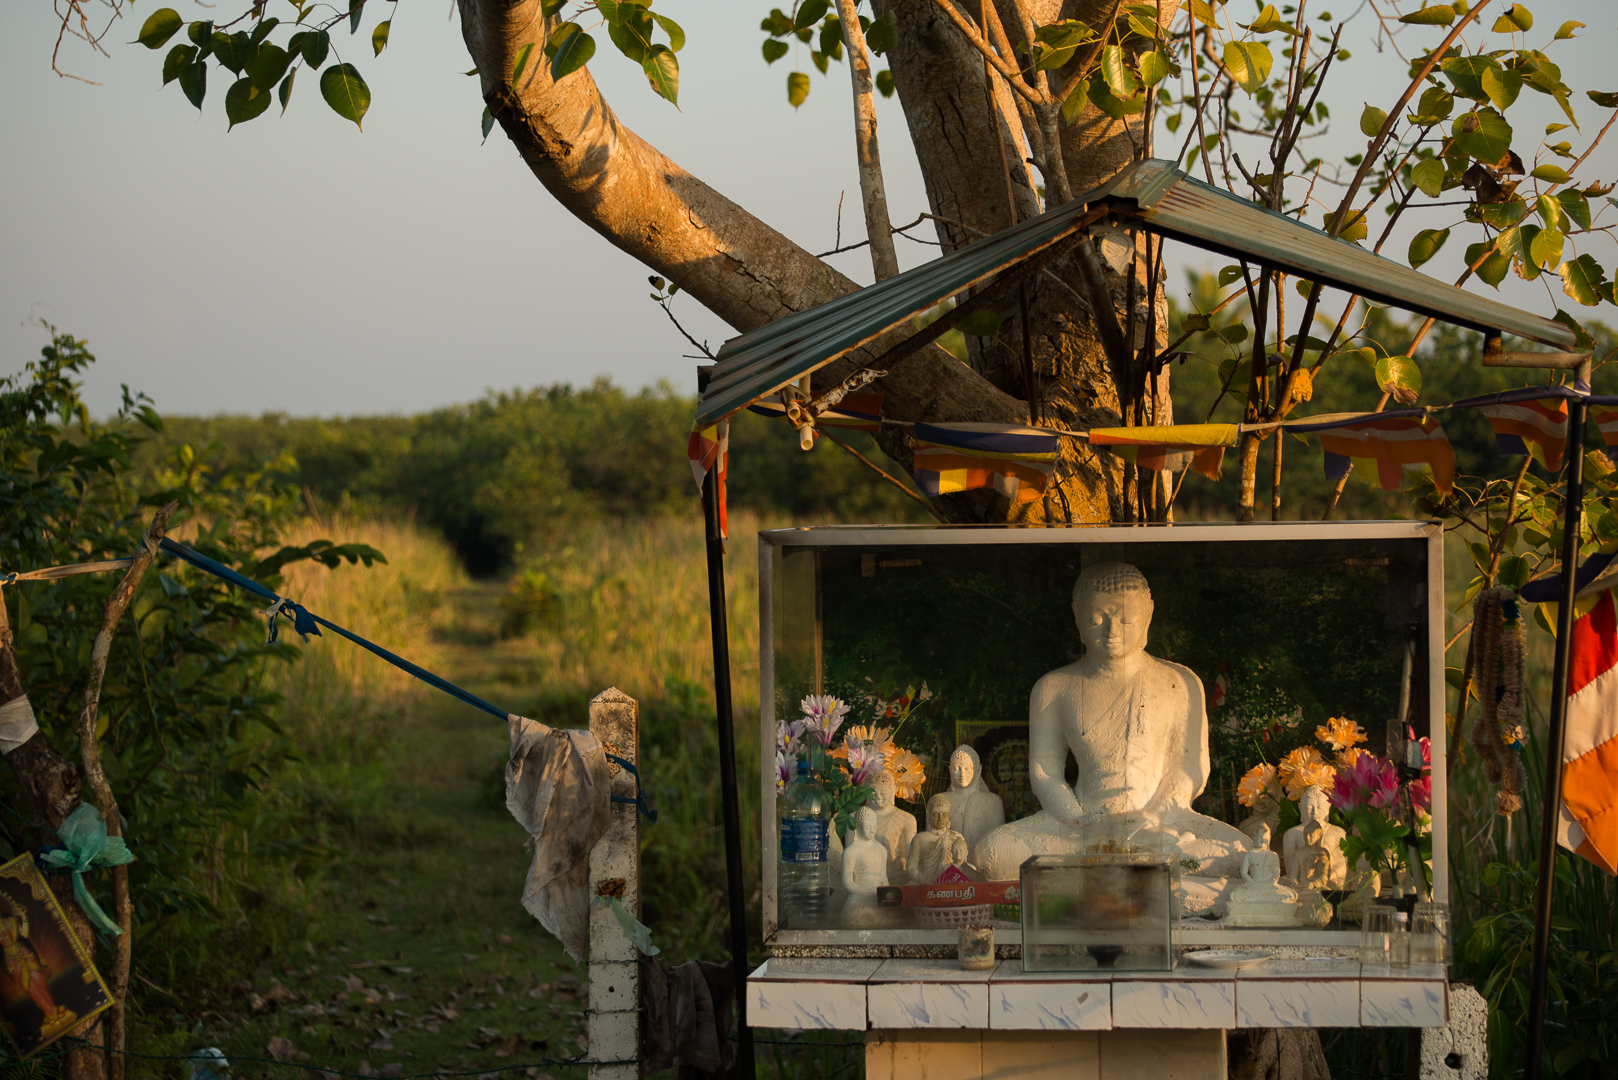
{"x":1018,"y":461}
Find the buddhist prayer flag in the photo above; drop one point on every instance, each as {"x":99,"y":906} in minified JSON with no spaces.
{"x":1588,"y":823}
{"x":1607,"y":420}
{"x":1170,"y":447}
{"x":1394,"y":441}
{"x":707,"y":448}
{"x":1015,"y":461}
{"x":1533,"y":415}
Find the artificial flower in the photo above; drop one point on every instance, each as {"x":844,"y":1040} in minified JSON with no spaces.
{"x":786,"y":767}
{"x":864,"y":759}
{"x":1370,"y":782}
{"x":1340,"y":733}
{"x":822,"y":716}
{"x":1310,"y":775}
{"x":1259,"y":781}
{"x":871,"y":735}
{"x":1421,"y":793}
{"x":1303,"y":755}
{"x":908,"y":774}
{"x":1347,"y":758}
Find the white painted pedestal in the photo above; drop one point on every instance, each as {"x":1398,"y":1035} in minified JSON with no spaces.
{"x":929,"y":1020}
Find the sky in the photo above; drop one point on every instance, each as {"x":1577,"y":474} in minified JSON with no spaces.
{"x":300,"y":266}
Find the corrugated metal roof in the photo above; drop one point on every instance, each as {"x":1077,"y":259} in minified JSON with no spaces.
{"x":1158,"y":196}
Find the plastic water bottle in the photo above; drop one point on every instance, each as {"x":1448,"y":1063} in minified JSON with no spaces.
{"x":803,"y":875}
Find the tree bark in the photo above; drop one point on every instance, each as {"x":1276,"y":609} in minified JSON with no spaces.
{"x":51,"y":784}
{"x":873,"y":194}
{"x":106,"y":802}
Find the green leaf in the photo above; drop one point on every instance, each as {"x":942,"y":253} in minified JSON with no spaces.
{"x":315,"y":47}
{"x":573,"y":50}
{"x":175,"y":61}
{"x":159,"y":26}
{"x":1545,"y":248}
{"x":244,"y":101}
{"x":266,"y":66}
{"x":1466,"y":75}
{"x":379,"y":37}
{"x":1436,"y":104}
{"x":1371,"y":121}
{"x":1516,"y":18}
{"x":194,"y":82}
{"x":488,"y":123}
{"x":663,"y":72}
{"x":286,"y":90}
{"x":1428,"y":175}
{"x":1115,"y":69}
{"x":1228,"y":274}
{"x":1489,"y":137}
{"x":1506,"y":214}
{"x":1516,"y":243}
{"x":1399,"y":377}
{"x":230,"y":50}
{"x":673,"y":29}
{"x":262,"y":31}
{"x":1576,"y":206}
{"x":883,"y":33}
{"x":980,"y":324}
{"x":522,"y":64}
{"x":1354,"y":227}
{"x":1501,"y":85}
{"x":345,"y":91}
{"x":1492,"y":270}
{"x":1234,"y":334}
{"x":355,"y":9}
{"x":1550,"y":211}
{"x":1433,"y":15}
{"x":1365,"y":355}
{"x":1426,"y":245}
{"x":809,"y":13}
{"x":1605,"y":98}
{"x":884,"y":83}
{"x":548,"y":8}
{"x":1554,"y":174}
{"x":1155,"y":67}
{"x":1581,"y":279}
{"x":1249,"y":63}
{"x":612,"y":10}
{"x":797,"y":88}
{"x":1566,"y":29}
{"x":1268,"y":21}
{"x":632,"y":33}
{"x":774,"y":50}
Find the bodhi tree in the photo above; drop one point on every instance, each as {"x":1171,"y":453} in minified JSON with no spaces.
{"x":1013,"y":107}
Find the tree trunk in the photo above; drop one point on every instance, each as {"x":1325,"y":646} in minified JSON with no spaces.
{"x":873,"y":193}
{"x":51,"y":784}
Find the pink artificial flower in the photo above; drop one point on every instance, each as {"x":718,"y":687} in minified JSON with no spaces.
{"x":1348,"y":792}
{"x":864,"y":760}
{"x":823,"y":715}
{"x":1421,"y":792}
{"x":1381,"y":781}
{"x":1426,"y":752}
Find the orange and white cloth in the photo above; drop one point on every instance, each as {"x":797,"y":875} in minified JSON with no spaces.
{"x":1588,"y":821}
{"x":707,"y":448}
{"x":1171,"y":446}
{"x":1395,"y":440}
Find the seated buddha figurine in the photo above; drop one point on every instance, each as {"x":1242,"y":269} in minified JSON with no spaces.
{"x":1138,"y":728}
{"x":1313,"y":833}
{"x":1261,"y":899}
{"x":937,"y":849}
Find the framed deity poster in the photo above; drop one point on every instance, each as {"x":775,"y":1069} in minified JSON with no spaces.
{"x":1216,"y":698}
{"x":48,"y":982}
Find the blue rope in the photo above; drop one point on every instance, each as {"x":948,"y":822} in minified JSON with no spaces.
{"x":305,"y":622}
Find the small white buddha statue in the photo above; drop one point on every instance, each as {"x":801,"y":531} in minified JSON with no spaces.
{"x":938,"y":848}
{"x":1261,"y":899}
{"x":865,"y":870}
{"x":894,"y":827}
{"x":1313,"y":832}
{"x":1313,"y":909}
{"x":973,"y":808}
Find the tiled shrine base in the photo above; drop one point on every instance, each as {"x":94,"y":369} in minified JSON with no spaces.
{"x":936,"y":995}
{"x":1044,"y":1055}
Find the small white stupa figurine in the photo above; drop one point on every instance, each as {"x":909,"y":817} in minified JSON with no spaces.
{"x":973,"y":808}
{"x":1261,"y":899}
{"x":865,"y":869}
{"x":940,"y":847}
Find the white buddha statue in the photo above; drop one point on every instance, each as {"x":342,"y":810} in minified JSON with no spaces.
{"x":1138,"y":728}
{"x":1261,"y":899}
{"x":865,"y":869}
{"x":1313,"y":832}
{"x":973,"y":808}
{"x":938,"y":848}
{"x":894,"y":827}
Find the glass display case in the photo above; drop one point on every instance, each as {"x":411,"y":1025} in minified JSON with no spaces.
{"x":1098,"y":912}
{"x":973,"y":698}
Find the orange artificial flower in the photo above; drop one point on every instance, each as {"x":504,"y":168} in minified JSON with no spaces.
{"x":1340,"y":733}
{"x":1259,"y":781}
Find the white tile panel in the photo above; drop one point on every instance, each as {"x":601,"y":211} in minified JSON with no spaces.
{"x":1282,"y":1003}
{"x":806,"y":1005}
{"x":1176,"y":1003}
{"x":928,"y":1005}
{"x":1050,"y":1005}
{"x":1403,"y":1003}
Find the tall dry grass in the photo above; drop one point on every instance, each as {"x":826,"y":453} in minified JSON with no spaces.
{"x":337,"y":692}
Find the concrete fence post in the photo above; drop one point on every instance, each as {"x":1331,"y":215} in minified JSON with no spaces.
{"x":614,"y":1020}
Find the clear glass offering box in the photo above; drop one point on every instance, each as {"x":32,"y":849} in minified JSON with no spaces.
{"x":1113,"y":912}
{"x":1002,"y":693}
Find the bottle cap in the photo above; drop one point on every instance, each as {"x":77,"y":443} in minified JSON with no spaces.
{"x":803,"y":768}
